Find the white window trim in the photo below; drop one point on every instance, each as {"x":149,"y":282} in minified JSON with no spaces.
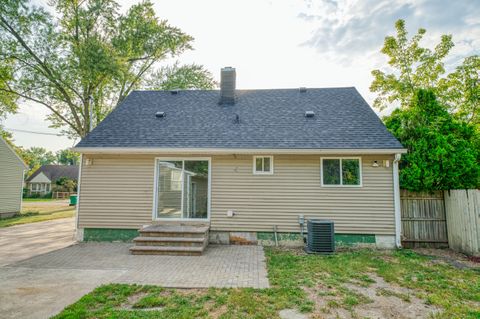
{"x":341,"y":173}
{"x":255,"y":172}
{"x":155,"y":187}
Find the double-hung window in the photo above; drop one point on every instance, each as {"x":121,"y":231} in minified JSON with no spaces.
{"x":263,"y":165}
{"x":341,"y":171}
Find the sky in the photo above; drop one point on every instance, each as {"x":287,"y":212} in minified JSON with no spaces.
{"x":290,"y":44}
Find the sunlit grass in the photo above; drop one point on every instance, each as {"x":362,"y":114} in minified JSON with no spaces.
{"x":36,"y":216}
{"x":455,"y":292}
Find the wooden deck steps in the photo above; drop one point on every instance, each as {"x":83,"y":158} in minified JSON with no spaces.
{"x":171,"y":240}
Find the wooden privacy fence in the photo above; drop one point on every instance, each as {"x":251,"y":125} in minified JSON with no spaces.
{"x":423,"y":219}
{"x":463,"y":220}
{"x":62,"y":195}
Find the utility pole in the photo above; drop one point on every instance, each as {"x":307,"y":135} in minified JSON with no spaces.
{"x":90,"y":104}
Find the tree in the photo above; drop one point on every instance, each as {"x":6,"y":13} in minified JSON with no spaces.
{"x":7,"y":100}
{"x":460,"y":90}
{"x":84,"y":60}
{"x":415,"y":67}
{"x":67,"y":157}
{"x":7,"y":137}
{"x":35,"y":157}
{"x":443,"y":152}
{"x":66,"y":184}
{"x":177,"y":76}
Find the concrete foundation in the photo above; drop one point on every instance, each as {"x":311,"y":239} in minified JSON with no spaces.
{"x":7,"y":215}
{"x":296,"y":240}
{"x":384,"y":241}
{"x":79,"y":234}
{"x":233,"y":238}
{"x":247,"y":238}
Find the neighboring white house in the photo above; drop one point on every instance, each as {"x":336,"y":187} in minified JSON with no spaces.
{"x":40,"y":184}
{"x":42,"y":181}
{"x":12,"y":169}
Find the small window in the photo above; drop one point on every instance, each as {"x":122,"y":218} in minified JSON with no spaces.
{"x":263,"y":165}
{"x":341,"y":172}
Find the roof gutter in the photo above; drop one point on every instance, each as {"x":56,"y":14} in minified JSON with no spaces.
{"x":396,"y":200}
{"x":223,"y":151}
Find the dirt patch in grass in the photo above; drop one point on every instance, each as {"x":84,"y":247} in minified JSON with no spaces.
{"x":188,"y":291}
{"x":131,"y":300}
{"x":327,"y":303}
{"x":390,"y":301}
{"x":216,"y":312}
{"x":376,"y":299}
{"x":453,"y":258}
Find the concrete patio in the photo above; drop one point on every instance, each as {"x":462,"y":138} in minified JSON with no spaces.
{"x":25,"y":241}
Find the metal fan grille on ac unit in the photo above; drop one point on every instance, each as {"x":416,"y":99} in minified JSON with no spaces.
{"x":321,"y":236}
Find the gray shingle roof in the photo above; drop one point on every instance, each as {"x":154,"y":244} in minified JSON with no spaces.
{"x":54,"y":172}
{"x":268,"y":119}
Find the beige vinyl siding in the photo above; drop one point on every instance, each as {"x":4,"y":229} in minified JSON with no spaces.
{"x":11,"y":182}
{"x":117,"y":192}
{"x":262,"y":201}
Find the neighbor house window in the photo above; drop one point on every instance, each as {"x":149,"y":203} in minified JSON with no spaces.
{"x":343,"y":171}
{"x":263,"y":164}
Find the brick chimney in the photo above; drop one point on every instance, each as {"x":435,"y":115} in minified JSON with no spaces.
{"x":227,"y":86}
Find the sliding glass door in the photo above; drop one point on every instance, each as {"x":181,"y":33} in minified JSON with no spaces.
{"x":182,"y":189}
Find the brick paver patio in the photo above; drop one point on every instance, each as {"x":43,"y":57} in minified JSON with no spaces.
{"x":219,"y":266}
{"x":41,"y":286}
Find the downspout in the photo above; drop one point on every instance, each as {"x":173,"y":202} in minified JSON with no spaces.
{"x":276,"y":236}
{"x":21,"y":190}
{"x":396,"y":200}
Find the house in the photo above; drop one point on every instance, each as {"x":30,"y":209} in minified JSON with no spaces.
{"x":43,"y":180}
{"x":242,"y":163}
{"x":12,"y":170}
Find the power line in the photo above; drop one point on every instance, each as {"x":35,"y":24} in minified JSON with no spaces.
{"x":32,"y":132}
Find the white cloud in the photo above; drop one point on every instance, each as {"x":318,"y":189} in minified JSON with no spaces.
{"x":350,"y":29}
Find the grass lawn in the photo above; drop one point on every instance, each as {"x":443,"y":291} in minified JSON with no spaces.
{"x":32,"y":217}
{"x":39,"y":199}
{"x":353,"y":284}
{"x":39,"y":211}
